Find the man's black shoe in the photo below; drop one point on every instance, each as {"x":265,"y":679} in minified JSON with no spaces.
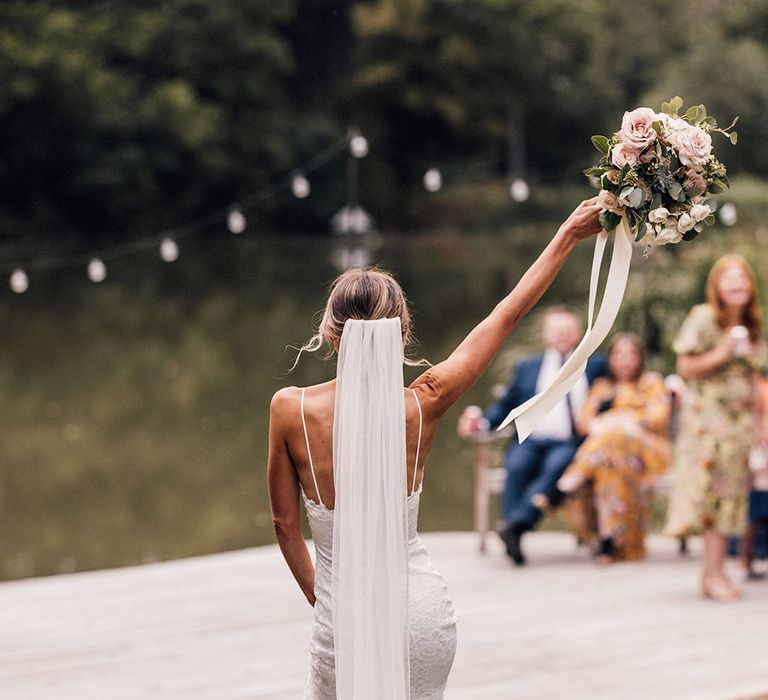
{"x":511,"y":537}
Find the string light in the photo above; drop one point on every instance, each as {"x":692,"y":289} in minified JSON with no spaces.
{"x":19,"y":281}
{"x":433,"y":180}
{"x":358,"y":145}
{"x":235,"y":220}
{"x":169,"y":250}
{"x":300,"y":186}
{"x":728,"y":214}
{"x":97,"y":270}
{"x":519,"y":190}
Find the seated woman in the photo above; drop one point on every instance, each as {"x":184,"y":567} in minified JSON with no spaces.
{"x":625,"y":421}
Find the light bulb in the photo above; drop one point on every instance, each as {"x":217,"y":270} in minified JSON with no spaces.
{"x":97,"y":270}
{"x":300,"y":186}
{"x":19,"y":281}
{"x":358,"y":145}
{"x":235,"y":220}
{"x":433,"y":180}
{"x":519,"y":190}
{"x":728,"y":214}
{"x":169,"y":250}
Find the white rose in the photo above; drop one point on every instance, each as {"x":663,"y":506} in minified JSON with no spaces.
{"x":685,"y":223}
{"x":699,"y":212}
{"x":669,"y":234}
{"x":624,"y":154}
{"x":658,"y":216}
{"x":694,"y":146}
{"x":637,"y":128}
{"x":607,"y":200}
{"x":671,"y":126}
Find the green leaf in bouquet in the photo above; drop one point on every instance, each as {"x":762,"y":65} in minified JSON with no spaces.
{"x":666,"y":108}
{"x":734,"y":137}
{"x":601,"y":143}
{"x":717,"y":186}
{"x":690,"y":115}
{"x":609,"y":220}
{"x":690,"y":194}
{"x":656,"y":200}
{"x":596,"y":171}
{"x":642,"y":229}
{"x":635,"y":197}
{"x":701,"y":113}
{"x":710,"y":220}
{"x":710,"y":122}
{"x":676,"y":191}
{"x":675,"y":104}
{"x":658,"y":127}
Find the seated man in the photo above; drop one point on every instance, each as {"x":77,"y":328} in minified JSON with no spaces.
{"x":534,"y":466}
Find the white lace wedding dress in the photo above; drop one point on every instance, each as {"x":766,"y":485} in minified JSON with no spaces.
{"x":431,"y":618}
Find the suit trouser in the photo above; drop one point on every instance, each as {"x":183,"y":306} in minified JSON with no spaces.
{"x":533,"y":467}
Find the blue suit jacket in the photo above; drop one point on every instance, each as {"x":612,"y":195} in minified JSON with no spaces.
{"x":523,"y":385}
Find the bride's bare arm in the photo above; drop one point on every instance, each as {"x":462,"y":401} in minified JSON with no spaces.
{"x":284,"y":498}
{"x":448,"y":380}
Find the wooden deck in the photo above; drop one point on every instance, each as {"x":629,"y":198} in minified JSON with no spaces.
{"x":234,"y":627}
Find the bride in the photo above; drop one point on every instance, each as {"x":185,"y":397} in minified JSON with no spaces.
{"x":354,"y":449}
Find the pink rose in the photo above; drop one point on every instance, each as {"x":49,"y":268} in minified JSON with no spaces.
{"x":622,"y":155}
{"x":694,"y":146}
{"x":637,"y":128}
{"x":607,"y":200}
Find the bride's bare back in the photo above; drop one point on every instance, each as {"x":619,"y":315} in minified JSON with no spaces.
{"x":438,"y":388}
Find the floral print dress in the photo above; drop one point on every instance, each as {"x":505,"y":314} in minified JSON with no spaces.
{"x":620,"y":463}
{"x":711,"y":460}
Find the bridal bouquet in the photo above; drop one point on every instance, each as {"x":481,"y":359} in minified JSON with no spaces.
{"x":657,"y":172}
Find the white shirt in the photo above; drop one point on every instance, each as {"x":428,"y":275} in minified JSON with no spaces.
{"x":557,"y":424}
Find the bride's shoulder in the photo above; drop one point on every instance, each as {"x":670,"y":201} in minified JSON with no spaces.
{"x":284,"y":399}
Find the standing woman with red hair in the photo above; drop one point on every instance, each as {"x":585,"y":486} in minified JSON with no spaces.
{"x":719,"y":354}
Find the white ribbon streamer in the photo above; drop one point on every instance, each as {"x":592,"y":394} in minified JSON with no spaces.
{"x":530,"y":414}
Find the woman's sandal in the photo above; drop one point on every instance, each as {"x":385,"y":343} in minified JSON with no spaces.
{"x":721,"y":591}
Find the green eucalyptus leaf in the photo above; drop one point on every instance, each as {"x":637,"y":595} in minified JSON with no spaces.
{"x":601,"y":143}
{"x":609,"y":220}
{"x":734,"y":137}
{"x":635,"y":198}
{"x":691,"y":113}
{"x":676,"y":103}
{"x":701,"y":113}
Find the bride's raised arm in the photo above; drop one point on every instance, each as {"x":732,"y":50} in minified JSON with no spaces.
{"x":444,"y":383}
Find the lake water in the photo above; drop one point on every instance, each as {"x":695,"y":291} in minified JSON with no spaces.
{"x":134,"y":412}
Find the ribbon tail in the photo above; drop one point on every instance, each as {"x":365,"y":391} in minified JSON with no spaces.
{"x":529,"y":414}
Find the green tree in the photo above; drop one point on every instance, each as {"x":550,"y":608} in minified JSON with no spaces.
{"x":116,"y":116}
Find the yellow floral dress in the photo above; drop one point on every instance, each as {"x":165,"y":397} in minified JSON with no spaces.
{"x":711,"y":460}
{"x":620,"y":463}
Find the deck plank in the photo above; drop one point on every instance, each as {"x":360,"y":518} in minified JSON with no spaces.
{"x":234,"y":626}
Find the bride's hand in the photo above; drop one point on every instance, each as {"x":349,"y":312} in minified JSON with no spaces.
{"x":583,"y":220}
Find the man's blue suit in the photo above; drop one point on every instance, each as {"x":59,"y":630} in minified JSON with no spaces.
{"x":535,"y":465}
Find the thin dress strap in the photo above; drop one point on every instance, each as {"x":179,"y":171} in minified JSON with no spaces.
{"x":309,"y":452}
{"x":418,"y":442}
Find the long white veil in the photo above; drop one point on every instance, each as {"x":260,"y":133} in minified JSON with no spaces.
{"x":369,"y":592}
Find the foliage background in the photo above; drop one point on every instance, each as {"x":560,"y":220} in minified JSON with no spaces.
{"x":133,"y":412}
